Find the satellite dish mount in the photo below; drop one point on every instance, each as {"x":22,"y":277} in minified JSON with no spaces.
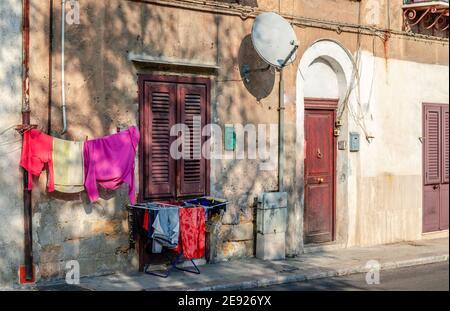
{"x":275,"y":42}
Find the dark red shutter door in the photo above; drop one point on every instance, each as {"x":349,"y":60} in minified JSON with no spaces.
{"x":160,"y":105}
{"x":432,"y":145}
{"x":192,"y":171}
{"x":444,"y":188}
{"x":445,"y":145}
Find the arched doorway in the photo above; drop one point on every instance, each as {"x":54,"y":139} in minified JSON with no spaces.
{"x":324,"y":78}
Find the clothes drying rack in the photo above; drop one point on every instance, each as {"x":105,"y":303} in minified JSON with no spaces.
{"x":155,"y":206}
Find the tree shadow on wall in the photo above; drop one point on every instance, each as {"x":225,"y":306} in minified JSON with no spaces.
{"x":101,"y":93}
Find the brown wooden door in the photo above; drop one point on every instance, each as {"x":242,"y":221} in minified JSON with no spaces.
{"x":159,"y":108}
{"x":164,"y":102}
{"x":319,"y":176}
{"x":436,"y":167}
{"x":191,"y":169}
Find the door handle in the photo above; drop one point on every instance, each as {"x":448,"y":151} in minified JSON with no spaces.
{"x":435,"y":187}
{"x":319,"y":180}
{"x":319,"y":154}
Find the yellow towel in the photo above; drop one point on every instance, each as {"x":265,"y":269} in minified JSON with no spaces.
{"x":68,"y":165}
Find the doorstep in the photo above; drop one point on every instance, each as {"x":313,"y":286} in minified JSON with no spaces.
{"x":322,"y":247}
{"x":435,"y":235}
{"x":253,"y":272}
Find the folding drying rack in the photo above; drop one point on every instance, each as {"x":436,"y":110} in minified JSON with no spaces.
{"x":216,"y":204}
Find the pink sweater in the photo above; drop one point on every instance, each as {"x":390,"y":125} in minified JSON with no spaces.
{"x":110,"y":162}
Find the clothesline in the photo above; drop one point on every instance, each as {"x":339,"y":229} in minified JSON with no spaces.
{"x":74,"y":166}
{"x":169,"y":206}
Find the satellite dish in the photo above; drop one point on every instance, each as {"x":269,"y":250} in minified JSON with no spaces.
{"x":274,"y":39}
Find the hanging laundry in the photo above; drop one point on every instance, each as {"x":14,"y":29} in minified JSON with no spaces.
{"x":192,"y":232}
{"x":166,"y":228}
{"x":37,"y":151}
{"x":110,"y":162}
{"x":146,"y":220}
{"x":68,"y":165}
{"x":149,"y":217}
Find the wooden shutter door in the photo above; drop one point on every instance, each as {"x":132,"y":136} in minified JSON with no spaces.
{"x":445,"y":145}
{"x":432,"y":145}
{"x":159,"y":166}
{"x":444,"y":204}
{"x":192,"y":171}
{"x":432,"y":168}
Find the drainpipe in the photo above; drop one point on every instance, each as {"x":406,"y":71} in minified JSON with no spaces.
{"x":63,"y":91}
{"x":281,"y":135}
{"x":26,"y":110}
{"x":281,"y":108}
{"x":50,"y":69}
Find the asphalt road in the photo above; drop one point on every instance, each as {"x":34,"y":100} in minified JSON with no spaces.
{"x":432,"y":277}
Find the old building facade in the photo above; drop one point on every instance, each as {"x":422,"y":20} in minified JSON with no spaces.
{"x":363,"y":69}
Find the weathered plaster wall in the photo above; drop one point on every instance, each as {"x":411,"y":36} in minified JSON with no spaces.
{"x":389,"y":169}
{"x":11,"y":207}
{"x":379,"y":188}
{"x":101,"y":94}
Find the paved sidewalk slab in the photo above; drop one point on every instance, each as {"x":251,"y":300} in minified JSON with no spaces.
{"x":251,"y":273}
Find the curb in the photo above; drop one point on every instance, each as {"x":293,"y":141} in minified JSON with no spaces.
{"x":300,"y":277}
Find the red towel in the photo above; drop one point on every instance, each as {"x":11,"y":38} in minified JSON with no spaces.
{"x":36,"y":151}
{"x":145,"y":224}
{"x":192,"y":232}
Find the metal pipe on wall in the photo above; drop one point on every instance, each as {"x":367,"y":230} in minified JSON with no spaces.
{"x":281,"y":134}
{"x":281,"y":108}
{"x":63,"y":91}
{"x":26,"y":110}
{"x":50,"y":68}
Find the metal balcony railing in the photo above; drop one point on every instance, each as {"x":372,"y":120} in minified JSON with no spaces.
{"x":429,"y":17}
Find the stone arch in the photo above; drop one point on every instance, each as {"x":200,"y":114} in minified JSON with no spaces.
{"x":330,"y":53}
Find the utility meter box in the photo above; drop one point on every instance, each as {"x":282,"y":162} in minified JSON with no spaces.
{"x":354,"y":142}
{"x":272,"y":212}
{"x":271,"y":219}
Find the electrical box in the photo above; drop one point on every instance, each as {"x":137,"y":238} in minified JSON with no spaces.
{"x":271,"y":246}
{"x":354,"y":141}
{"x":230,"y":138}
{"x":271,"y":219}
{"x":342,"y":145}
{"x":271,"y":215}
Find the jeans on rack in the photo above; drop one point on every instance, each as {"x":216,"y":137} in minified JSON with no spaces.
{"x":166,"y":228}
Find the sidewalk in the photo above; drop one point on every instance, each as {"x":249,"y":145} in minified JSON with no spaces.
{"x":252,"y":273}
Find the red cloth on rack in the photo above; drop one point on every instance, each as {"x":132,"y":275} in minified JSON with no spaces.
{"x":36,"y":151}
{"x":145,"y":225}
{"x":192,"y":232}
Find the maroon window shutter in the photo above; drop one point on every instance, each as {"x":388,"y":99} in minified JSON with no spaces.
{"x":445,"y":145}
{"x":159,"y":166}
{"x":192,"y":172}
{"x":432,"y":145}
